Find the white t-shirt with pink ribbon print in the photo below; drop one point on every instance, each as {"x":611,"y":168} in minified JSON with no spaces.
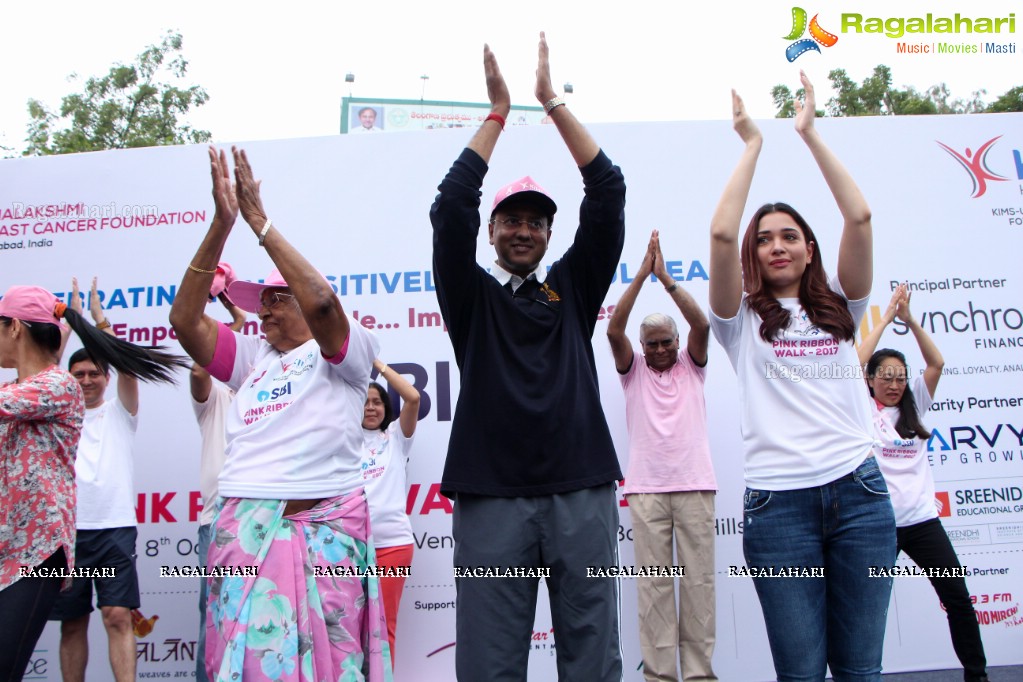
{"x":803,"y":411}
{"x":294,"y":430}
{"x":904,"y":462}
{"x":385,"y":456}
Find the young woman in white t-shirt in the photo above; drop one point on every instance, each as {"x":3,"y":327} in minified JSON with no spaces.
{"x":900,"y":451}
{"x":816,"y":505}
{"x":384,"y":458}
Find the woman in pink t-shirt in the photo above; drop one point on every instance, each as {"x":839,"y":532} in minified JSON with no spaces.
{"x":901,"y":438}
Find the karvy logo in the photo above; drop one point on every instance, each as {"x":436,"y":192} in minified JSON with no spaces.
{"x":818,"y":36}
{"x":975,"y":164}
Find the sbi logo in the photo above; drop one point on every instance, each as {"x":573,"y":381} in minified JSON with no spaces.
{"x":280,"y":392}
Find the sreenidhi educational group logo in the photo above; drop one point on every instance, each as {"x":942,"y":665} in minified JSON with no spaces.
{"x":817,"y":35}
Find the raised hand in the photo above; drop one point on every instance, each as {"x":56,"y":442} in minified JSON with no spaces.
{"x":76,"y":297}
{"x":237,"y":314}
{"x":224,"y":198}
{"x":889,"y":314}
{"x":741,"y":121}
{"x":649,"y":258}
{"x":497,"y":90}
{"x":247,"y":191}
{"x":902,"y":312}
{"x":806,"y":111}
{"x":95,"y":307}
{"x":659,"y":268}
{"x":544,"y":89}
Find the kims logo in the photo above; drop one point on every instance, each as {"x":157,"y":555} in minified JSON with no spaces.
{"x":817,"y":35}
{"x":975,"y":164}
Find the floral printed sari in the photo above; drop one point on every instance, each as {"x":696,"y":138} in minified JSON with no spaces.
{"x":281,"y":611}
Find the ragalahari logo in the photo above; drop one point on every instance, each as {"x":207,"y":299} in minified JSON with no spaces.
{"x":817,"y":35}
{"x":975,"y":164}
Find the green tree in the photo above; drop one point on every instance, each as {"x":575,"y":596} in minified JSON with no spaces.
{"x":133,"y":105}
{"x":786,"y":101}
{"x":875,"y":96}
{"x":1010,"y":101}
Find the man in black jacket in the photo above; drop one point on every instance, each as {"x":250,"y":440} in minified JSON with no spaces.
{"x":530,"y":463}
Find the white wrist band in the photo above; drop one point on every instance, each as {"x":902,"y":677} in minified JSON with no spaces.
{"x":262,"y":233}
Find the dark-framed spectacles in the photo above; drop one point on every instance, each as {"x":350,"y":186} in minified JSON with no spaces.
{"x":515,"y":222}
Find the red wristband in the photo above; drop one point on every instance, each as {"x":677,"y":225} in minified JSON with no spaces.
{"x":495,"y":117}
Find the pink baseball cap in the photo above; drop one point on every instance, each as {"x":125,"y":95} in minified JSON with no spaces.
{"x":32,"y":304}
{"x":224,"y":278}
{"x":526,"y":189}
{"x":246,"y":295}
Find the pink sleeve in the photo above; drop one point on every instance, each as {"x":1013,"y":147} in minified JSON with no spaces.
{"x":336,"y":360}
{"x":630,"y":374}
{"x":222,"y":364}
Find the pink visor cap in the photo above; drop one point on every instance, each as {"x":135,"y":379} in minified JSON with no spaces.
{"x":222,"y":280}
{"x":528,"y":191}
{"x":32,"y":304}
{"x":246,"y":295}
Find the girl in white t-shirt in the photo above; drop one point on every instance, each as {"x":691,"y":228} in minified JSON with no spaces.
{"x":900,"y":444}
{"x":816,"y":506}
{"x":384,"y":459}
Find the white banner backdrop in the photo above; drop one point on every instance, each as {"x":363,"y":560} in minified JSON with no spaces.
{"x":357,"y":207}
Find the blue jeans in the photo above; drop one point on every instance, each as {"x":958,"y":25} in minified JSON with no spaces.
{"x":200,"y":648}
{"x":845,"y":527}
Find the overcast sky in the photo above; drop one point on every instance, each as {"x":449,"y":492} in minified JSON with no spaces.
{"x":277,"y":70}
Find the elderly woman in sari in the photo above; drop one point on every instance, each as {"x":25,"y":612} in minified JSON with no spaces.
{"x":290,"y":598}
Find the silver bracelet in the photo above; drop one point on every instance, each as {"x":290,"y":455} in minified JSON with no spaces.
{"x":552,"y":104}
{"x":262,"y":233}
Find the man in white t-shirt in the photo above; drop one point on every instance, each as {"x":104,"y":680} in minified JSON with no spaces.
{"x":104,"y":477}
{"x":670,"y":483}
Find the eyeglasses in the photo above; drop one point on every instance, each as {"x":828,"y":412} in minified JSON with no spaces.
{"x":515,"y":222}
{"x":274,"y":299}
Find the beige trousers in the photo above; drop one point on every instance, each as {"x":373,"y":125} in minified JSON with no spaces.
{"x":667,"y":636}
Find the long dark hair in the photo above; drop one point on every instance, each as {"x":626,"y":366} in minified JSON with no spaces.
{"x":908,"y":424}
{"x":145,"y":364}
{"x":388,"y":408}
{"x":825,"y":308}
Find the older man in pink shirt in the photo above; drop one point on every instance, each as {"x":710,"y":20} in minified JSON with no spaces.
{"x":670,"y":483}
